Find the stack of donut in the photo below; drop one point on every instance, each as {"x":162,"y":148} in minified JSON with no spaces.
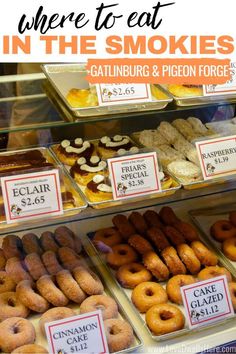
{"x":150,"y":248}
{"x":43,"y":275}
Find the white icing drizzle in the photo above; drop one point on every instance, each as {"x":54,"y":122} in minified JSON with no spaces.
{"x":81,"y":161}
{"x":104,"y":188}
{"x":98,"y":179}
{"x":121,"y":152}
{"x":65,"y":143}
{"x":94,"y":159}
{"x":118,"y":141}
{"x":117,"y":138}
{"x":78,"y":141}
{"x":134,"y":149}
{"x":161,"y":176}
{"x":86,"y":144}
{"x":100,"y":167}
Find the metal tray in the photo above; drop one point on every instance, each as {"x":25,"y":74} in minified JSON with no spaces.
{"x":204,"y":218}
{"x":64,"y":77}
{"x":91,"y":263}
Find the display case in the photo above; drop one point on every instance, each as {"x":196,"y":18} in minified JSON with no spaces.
{"x":32,"y":116}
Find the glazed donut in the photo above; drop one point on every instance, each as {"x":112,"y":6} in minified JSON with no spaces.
{"x":50,"y":292}
{"x":214,"y":271}
{"x":175,"y":237}
{"x":15,"y":268}
{"x":88,"y":281}
{"x":138,"y":221}
{"x":30,"y":349}
{"x":229,"y":248}
{"x":155,"y":265}
{"x":64,"y":237}
{"x":119,"y":334}
{"x":15,"y":332}
{"x":6,"y":283}
{"x":187,"y":230}
{"x":28,"y":297}
{"x":31,"y":244}
{"x":140,"y":244}
{"x":105,"y":303}
{"x":125,"y":228}
{"x":51,"y":263}
{"x":110,"y":236}
{"x":2,"y":260}
{"x":174,"y":284}
{"x":222,"y":230}
{"x":189,"y":258}
{"x":48,"y":241}
{"x":54,"y":314}
{"x":11,"y":306}
{"x":152,"y":219}
{"x":232,"y":217}
{"x":12,"y":247}
{"x":157,"y":237}
{"x":148,"y":294}
{"x":35,"y":266}
{"x":121,"y":254}
{"x":168,"y":216}
{"x":70,"y":287}
{"x":172,"y":261}
{"x":205,"y":256}
{"x":164,"y":318}
{"x":232,"y":290}
{"x":69,"y":258}
{"x":130,"y":275}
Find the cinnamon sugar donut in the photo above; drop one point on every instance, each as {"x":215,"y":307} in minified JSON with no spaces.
{"x":232,"y":290}
{"x":157,"y":237}
{"x":187,"y":230}
{"x":70,"y":287}
{"x":121,"y":254}
{"x":11,"y":306}
{"x":119,"y":334}
{"x":229,"y":248}
{"x":64,"y":237}
{"x":31,"y":244}
{"x":138,"y":221}
{"x":50,"y":291}
{"x":140,"y":244}
{"x":2,"y":260}
{"x":189,"y":258}
{"x":15,"y":332}
{"x":125,"y":228}
{"x":214,"y":271}
{"x":168,"y":216}
{"x":12,"y":246}
{"x":26,"y":294}
{"x":69,"y":258}
{"x":222,"y":230}
{"x":48,"y":241}
{"x":205,"y":256}
{"x":54,"y":314}
{"x":174,"y":284}
{"x":152,"y":219}
{"x":175,"y":237}
{"x":35,"y":266}
{"x":88,"y":281}
{"x":51,"y":263}
{"x":6,"y":283}
{"x":110,"y":236}
{"x":232,"y":217}
{"x":148,"y":294}
{"x":16,"y":270}
{"x":130,"y":275}
{"x":153,"y":263}
{"x":172,"y":261}
{"x":30,"y":349}
{"x":105,"y":303}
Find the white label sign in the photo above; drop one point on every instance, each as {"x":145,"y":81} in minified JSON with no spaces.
{"x":135,"y":175}
{"x":78,"y":334}
{"x":217,"y":156}
{"x":207,"y":301}
{"x":112,"y":94}
{"x":228,"y":88}
{"x":31,"y":195}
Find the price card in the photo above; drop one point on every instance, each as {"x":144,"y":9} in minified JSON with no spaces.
{"x":78,"y":334}
{"x":135,"y":175}
{"x":228,"y":88}
{"x":207,"y":301}
{"x":217,"y":156}
{"x":31,"y":195}
{"x":112,"y":94}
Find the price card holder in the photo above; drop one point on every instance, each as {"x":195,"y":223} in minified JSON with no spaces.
{"x":207,"y":301}
{"x":134,"y":176}
{"x":31,"y":195}
{"x":217,"y":156}
{"x":113,"y":94}
{"x":78,"y":334}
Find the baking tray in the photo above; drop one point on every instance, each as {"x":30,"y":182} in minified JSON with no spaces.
{"x":93,"y":252}
{"x":92,"y":264}
{"x":64,"y":77}
{"x":204,"y":218}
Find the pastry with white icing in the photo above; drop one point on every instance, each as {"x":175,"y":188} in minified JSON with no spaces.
{"x":70,"y":151}
{"x":109,"y":147}
{"x":99,"y":189}
{"x":84,"y":169}
{"x":186,"y":172}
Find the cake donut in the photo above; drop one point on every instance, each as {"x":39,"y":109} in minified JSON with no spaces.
{"x":121,"y":254}
{"x":16,"y":269}
{"x":51,"y":263}
{"x":152,"y":219}
{"x":105,"y":303}
{"x":189,"y":258}
{"x":229,"y":248}
{"x":55,"y":314}
{"x":155,"y":265}
{"x":138,"y":221}
{"x":214,"y":271}
{"x":175,"y":237}
{"x":48,"y":241}
{"x":30,"y":349}
{"x":130,"y":275}
{"x":232,"y":217}
{"x":15,"y":332}
{"x":148,"y":294}
{"x":12,"y":246}
{"x":35,"y":266}
{"x":88,"y":281}
{"x":6,"y":283}
{"x":157,"y":237}
{"x":64,"y":237}
{"x":11,"y":306}
{"x":205,"y":256}
{"x":109,"y":236}
{"x":69,"y":151}
{"x":125,"y":228}
{"x":50,"y":291}
{"x":168,"y":216}
{"x":2,"y":260}
{"x":140,"y":244}
{"x":172,"y":261}
{"x":232,"y":290}
{"x":187,"y":230}
{"x":31,"y":244}
{"x":222,"y":230}
{"x":119,"y":334}
{"x":69,"y":258}
{"x":26,"y":294}
{"x":174,"y":284}
{"x":164,"y":318}
{"x":70,"y":287}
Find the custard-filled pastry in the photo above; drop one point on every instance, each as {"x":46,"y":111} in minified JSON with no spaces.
{"x":81,"y":98}
{"x":69,"y":152}
{"x":84,"y":170}
{"x":109,"y":147}
{"x":99,"y":189}
{"x":186,"y":90}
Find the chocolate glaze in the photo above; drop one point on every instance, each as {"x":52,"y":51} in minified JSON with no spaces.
{"x":93,"y":187}
{"x":189,"y":86}
{"x":115,"y":148}
{"x":87,"y":153}
{"x":76,"y":168}
{"x":67,"y":197}
{"x":33,"y":157}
